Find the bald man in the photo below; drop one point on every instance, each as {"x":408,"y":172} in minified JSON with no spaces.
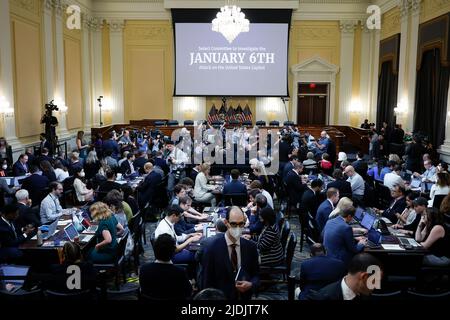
{"x":356,"y":181}
{"x":321,"y":146}
{"x":231,"y":262}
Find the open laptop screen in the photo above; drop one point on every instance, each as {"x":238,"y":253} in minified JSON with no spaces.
{"x":374,"y":236}
{"x":359,"y":213}
{"x":367,"y":221}
{"x":71,"y":231}
{"x":13,"y":271}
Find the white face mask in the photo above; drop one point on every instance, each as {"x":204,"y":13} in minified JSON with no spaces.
{"x":4,"y":167}
{"x":82,"y":174}
{"x":235,"y":232}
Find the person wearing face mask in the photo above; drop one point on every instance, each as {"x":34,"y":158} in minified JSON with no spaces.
{"x":83,"y":193}
{"x":4,"y":169}
{"x":354,"y":285}
{"x":338,"y":237}
{"x":167,"y":225}
{"x":231,"y":262}
{"x":50,"y":207}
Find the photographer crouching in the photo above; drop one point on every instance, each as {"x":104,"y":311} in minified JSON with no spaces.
{"x":176,"y":160}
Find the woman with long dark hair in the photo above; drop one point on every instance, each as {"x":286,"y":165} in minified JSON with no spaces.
{"x":47,"y":170}
{"x":434,"y":236}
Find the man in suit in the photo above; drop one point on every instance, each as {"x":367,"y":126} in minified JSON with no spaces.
{"x":148,"y":187}
{"x":319,"y":271}
{"x":31,"y":158}
{"x":11,"y":236}
{"x":62,"y":158}
{"x":108,"y":185}
{"x":127,"y":167}
{"x":112,"y":145}
{"x":289,"y":166}
{"x":311,"y":197}
{"x":234,"y":186}
{"x":221,"y":228}
{"x":35,"y":185}
{"x":338,"y":237}
{"x":75,"y":163}
{"x":344,"y":187}
{"x":26,"y":214}
{"x":229,"y":254}
{"x":294,"y":183}
{"x":194,"y":172}
{"x":355,"y":284}
{"x":325,"y":208}
{"x":44,"y":143}
{"x":140,"y":161}
{"x":360,"y":165}
{"x":160,"y":162}
{"x":397,"y":205}
{"x":284,"y":149}
{"x":20,"y":167}
{"x":161,"y":280}
{"x":44,"y":156}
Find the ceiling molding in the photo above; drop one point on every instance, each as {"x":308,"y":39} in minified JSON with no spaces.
{"x":387,"y":5}
{"x":303,"y":9}
{"x":331,"y":11}
{"x":260,"y":4}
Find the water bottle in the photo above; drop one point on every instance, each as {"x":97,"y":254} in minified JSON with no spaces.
{"x":39,"y":237}
{"x":205,"y":226}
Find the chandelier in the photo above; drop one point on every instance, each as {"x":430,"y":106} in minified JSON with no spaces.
{"x":230,"y":21}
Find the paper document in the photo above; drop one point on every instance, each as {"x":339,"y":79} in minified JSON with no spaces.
{"x":392,"y":247}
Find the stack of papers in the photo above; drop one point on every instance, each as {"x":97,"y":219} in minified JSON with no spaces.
{"x":64,"y":222}
{"x":392,"y":247}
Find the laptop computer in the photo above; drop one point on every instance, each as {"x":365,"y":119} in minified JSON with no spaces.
{"x":88,"y":227}
{"x":359,"y":214}
{"x":368,"y":221}
{"x":210,"y":232}
{"x":52,"y":229}
{"x":9,"y":181}
{"x":408,"y":242}
{"x":71,"y":233}
{"x":13,"y":271}
{"x":416,"y":183}
{"x":373,"y":239}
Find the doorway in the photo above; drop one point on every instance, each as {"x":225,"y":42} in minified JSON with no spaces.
{"x":312,"y":103}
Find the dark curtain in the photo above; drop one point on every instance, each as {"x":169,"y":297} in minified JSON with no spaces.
{"x":430,"y":111}
{"x":387,"y":95}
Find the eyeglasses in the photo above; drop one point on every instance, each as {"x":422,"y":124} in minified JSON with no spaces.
{"x":237,"y":224}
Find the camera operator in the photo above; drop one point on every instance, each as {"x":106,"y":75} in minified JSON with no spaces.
{"x":176,"y":161}
{"x":50,"y":123}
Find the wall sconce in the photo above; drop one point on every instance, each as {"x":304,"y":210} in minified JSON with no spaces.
{"x":355,"y":106}
{"x":5,"y":108}
{"x":62,"y":108}
{"x":401,"y":108}
{"x":107,"y":104}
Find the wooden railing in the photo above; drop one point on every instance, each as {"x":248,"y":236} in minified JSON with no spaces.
{"x":357,"y":137}
{"x":337,"y":133}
